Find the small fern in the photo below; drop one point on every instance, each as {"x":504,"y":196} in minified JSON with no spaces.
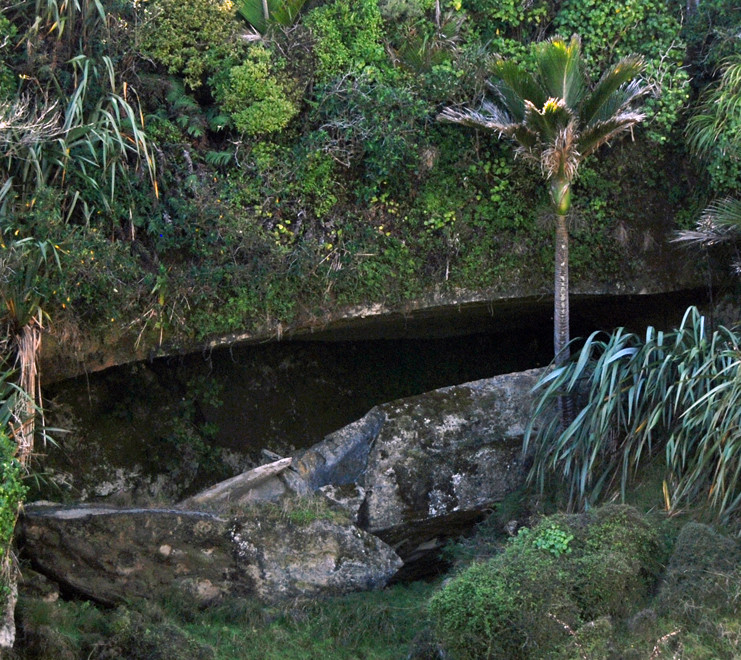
{"x":219,"y":158}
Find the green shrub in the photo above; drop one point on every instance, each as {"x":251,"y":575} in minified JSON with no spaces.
{"x":565,"y":571}
{"x":8,"y":33}
{"x":12,"y":492}
{"x":503,"y":608}
{"x":509,"y":26}
{"x":376,"y":128}
{"x":191,"y":38}
{"x":348,"y":38}
{"x":257,"y":101}
{"x":652,"y":28}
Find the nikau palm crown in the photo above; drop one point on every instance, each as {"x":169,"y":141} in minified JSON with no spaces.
{"x":557,"y":119}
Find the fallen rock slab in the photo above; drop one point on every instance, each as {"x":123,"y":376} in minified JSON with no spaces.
{"x":112,"y":555}
{"x":250,"y":486}
{"x":429,"y":465}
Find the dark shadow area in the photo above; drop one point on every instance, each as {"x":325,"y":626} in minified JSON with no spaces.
{"x":170,"y":413}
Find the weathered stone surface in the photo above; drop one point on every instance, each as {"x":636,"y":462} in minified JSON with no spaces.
{"x":430,"y":464}
{"x":111,"y":555}
{"x":282,"y":560}
{"x":447,"y":453}
{"x":413,"y":473}
{"x":258,"y":484}
{"x":342,"y":457}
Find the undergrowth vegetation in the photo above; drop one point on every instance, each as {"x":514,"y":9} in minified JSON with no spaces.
{"x":566,"y":571}
{"x":610,"y":583}
{"x":203,"y":173}
{"x":379,"y":625}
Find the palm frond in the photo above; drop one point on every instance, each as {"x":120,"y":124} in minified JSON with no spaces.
{"x":724,"y":213}
{"x":560,"y":69}
{"x":621,"y":100}
{"x":616,"y":89}
{"x":279,"y":12}
{"x":719,"y":223}
{"x":513,"y":86}
{"x":593,"y":137}
{"x":491,"y":118}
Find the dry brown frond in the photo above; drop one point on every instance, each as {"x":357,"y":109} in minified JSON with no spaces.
{"x":27,"y":345}
{"x":562,"y":157}
{"x":23,"y":124}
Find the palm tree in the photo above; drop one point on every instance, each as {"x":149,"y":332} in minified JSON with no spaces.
{"x":556,"y":118}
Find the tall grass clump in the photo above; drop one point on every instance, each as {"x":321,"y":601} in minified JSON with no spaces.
{"x":678,"y":392}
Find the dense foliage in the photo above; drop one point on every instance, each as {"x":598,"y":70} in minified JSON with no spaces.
{"x":675,"y":393}
{"x":205,"y":174}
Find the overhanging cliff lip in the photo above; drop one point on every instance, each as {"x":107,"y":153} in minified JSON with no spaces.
{"x":438,"y":314}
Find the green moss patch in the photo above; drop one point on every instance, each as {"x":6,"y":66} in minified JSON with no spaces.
{"x":566,"y":571}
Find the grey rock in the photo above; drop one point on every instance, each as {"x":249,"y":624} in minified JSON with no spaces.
{"x":321,"y":558}
{"x":259,"y":484}
{"x":342,"y":457}
{"x":112,"y":555}
{"x":430,"y":464}
{"x":413,"y":473}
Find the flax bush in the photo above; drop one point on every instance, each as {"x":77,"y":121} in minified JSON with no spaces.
{"x":676,"y":392}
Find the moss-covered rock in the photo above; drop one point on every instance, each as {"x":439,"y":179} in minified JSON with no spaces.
{"x":549,"y":582}
{"x":703,"y":575}
{"x":618,"y":563}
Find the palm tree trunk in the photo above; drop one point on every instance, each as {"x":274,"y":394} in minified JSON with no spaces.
{"x":561,"y":314}
{"x":561,"y":293}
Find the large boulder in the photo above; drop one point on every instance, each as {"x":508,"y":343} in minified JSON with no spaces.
{"x":268,"y":552}
{"x":278,"y":560}
{"x":431,"y":464}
